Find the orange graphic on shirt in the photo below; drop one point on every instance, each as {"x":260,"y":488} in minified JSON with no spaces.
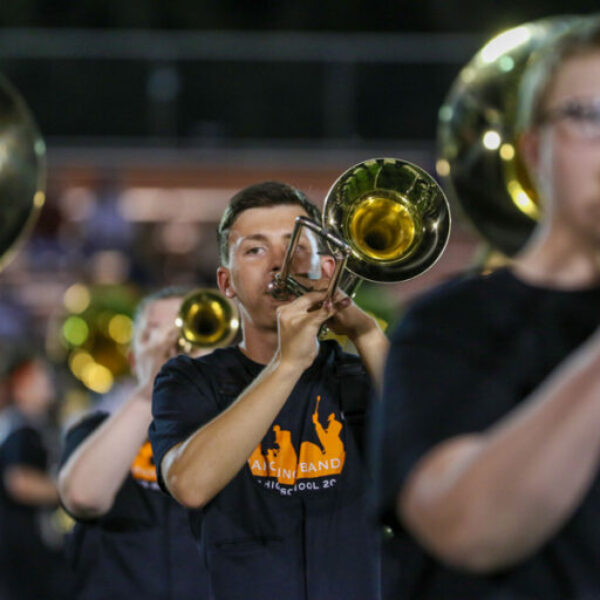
{"x":315,"y":460}
{"x":143,"y":466}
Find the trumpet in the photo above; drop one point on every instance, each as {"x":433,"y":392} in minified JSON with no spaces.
{"x":206,"y":319}
{"x":383,"y":220}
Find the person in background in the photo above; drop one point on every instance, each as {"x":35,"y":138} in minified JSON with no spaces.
{"x":488,"y":438}
{"x":131,"y":540}
{"x":32,"y":563}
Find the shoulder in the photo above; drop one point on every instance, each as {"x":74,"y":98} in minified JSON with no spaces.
{"x":200,"y":376}
{"x":457,"y":292}
{"x":219,"y":357}
{"x":80,"y":430}
{"x":22,"y":435}
{"x":181,"y":369}
{"x":87,"y":422}
{"x":207,"y":364}
{"x":463,"y":304}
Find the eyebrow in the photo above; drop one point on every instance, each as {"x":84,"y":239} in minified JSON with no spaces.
{"x":261,"y":237}
{"x":254,"y":236}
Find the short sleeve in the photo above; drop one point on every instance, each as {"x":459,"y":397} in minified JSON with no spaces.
{"x":24,"y":447}
{"x":79,"y":432}
{"x":432,"y":391}
{"x":183,"y":400}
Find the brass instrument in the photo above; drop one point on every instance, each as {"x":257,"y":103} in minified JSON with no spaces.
{"x":384,"y":220}
{"x":92,"y":331}
{"x":479,"y":160}
{"x":22,"y":171}
{"x":206,"y":319}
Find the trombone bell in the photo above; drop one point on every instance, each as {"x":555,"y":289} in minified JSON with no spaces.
{"x":381,"y":227}
{"x":206,"y":319}
{"x":393,"y":215}
{"x":384,"y":220}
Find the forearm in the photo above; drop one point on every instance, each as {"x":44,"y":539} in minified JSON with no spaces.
{"x":373,"y":347}
{"x":30,"y":486}
{"x":196,"y":470}
{"x":91,"y":478}
{"x":490,"y":500}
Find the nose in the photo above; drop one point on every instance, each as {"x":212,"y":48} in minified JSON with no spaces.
{"x":277,"y":257}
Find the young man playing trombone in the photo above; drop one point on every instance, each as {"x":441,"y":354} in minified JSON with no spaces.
{"x":256,"y":439}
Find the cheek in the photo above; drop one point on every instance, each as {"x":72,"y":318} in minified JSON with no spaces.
{"x":562,"y":174}
{"x":243,"y":282}
{"x":575,"y":181}
{"x":572,"y":172}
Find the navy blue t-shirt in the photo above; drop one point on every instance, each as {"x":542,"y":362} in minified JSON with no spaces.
{"x":293,"y":522}
{"x":29,"y":567}
{"x":465,"y":355}
{"x":143,"y":547}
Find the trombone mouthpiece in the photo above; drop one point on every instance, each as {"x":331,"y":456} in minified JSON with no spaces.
{"x":286,"y":288}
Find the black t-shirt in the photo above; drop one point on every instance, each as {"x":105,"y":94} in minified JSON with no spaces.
{"x":293,"y":522}
{"x":29,"y":567}
{"x":22,"y":446}
{"x":465,"y":355}
{"x":141,"y":548}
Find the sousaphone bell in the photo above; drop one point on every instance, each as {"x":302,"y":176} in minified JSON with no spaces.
{"x":22,"y":171}
{"x":479,"y":160}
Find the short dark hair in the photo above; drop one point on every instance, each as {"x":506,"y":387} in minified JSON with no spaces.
{"x":580,"y":38}
{"x":260,"y":195}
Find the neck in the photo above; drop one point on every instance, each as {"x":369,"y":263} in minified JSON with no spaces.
{"x":259,"y":345}
{"x":559,"y":261}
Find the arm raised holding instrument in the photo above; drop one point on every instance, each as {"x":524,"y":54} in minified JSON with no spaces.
{"x":227,"y":440}
{"x":96,"y":470}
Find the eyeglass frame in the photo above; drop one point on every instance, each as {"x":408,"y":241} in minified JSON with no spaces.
{"x":582,"y":113}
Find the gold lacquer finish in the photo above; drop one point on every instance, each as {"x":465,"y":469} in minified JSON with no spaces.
{"x":22,"y":171}
{"x":394,"y":217}
{"x":384,"y":220}
{"x":479,"y":159}
{"x":382,"y":228}
{"x":206,"y":319}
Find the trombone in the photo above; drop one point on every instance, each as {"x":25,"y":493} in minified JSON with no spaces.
{"x":206,"y":319}
{"x":383,"y":220}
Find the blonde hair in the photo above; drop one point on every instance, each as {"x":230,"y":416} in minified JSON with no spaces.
{"x":582,"y":37}
{"x":140,"y":311}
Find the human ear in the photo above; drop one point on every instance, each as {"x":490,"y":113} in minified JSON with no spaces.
{"x":327,"y":266}
{"x":224,"y":282}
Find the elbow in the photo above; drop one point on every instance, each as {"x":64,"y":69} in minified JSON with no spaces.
{"x":469,"y":552}
{"x":463,"y":543}
{"x":189,"y":496}
{"x":457,"y":538}
{"x":81,"y":502}
{"x":183,"y":482}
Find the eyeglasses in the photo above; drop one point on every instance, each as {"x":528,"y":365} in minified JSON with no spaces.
{"x":582,"y":117}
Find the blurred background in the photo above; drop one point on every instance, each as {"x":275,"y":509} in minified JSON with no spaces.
{"x":154,"y":113}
